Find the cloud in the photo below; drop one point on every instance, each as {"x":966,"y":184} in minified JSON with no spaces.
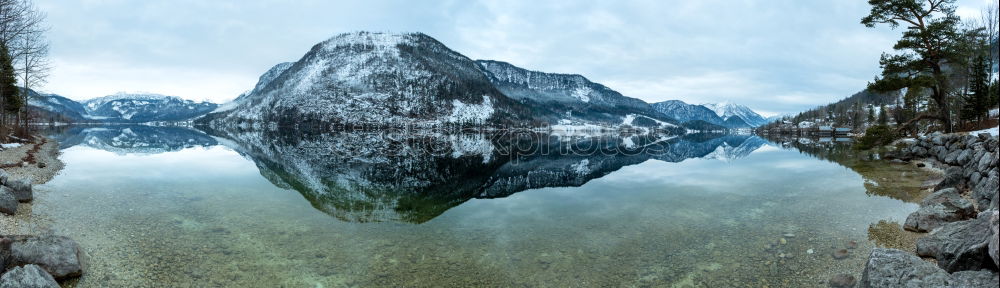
{"x":781,"y":56}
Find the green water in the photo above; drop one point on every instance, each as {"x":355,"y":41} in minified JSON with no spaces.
{"x":214,"y":215}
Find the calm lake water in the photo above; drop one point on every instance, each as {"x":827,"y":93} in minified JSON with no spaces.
{"x":168,"y":206}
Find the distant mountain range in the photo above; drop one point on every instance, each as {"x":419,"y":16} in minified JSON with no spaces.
{"x":383,"y":79}
{"x":117,"y":108}
{"x":725,"y":114}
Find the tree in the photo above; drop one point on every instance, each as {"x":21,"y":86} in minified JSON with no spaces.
{"x":8,"y":82}
{"x":883,"y":117}
{"x":22,"y":32}
{"x":977,"y":100}
{"x":925,"y":49}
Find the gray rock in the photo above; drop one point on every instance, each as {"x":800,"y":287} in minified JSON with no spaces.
{"x":953,"y":178}
{"x":940,"y":152}
{"x":21,"y":189}
{"x":970,"y":279}
{"x":29,"y":276}
{"x":8,"y":204}
{"x":984,"y":136}
{"x":985,"y":191}
{"x":959,"y":245}
{"x":952,"y":157}
{"x":3,"y":177}
{"x":941,"y":207}
{"x":984,"y":162}
{"x":964,"y":157}
{"x":975,"y":178}
{"x":994,"y":221}
{"x":58,"y":255}
{"x":895,"y":268}
{"x":918,"y":151}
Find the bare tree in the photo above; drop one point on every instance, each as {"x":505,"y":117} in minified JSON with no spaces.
{"x":22,"y":30}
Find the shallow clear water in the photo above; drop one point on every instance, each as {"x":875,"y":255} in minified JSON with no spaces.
{"x":184,"y":209}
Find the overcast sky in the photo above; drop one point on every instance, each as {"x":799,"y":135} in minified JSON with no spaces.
{"x":776,"y":56}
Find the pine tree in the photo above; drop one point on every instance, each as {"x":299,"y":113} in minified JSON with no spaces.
{"x":883,"y":118}
{"x":8,"y":82}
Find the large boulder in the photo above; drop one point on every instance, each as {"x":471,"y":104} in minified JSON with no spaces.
{"x":895,"y":268}
{"x":985,"y":191}
{"x":960,"y":245}
{"x":21,"y":189}
{"x":953,"y":178}
{"x":941,"y":207}
{"x":994,"y":221}
{"x":58,"y":255}
{"x":984,"y":162}
{"x":29,"y":276}
{"x":972,"y":279}
{"x":8,"y":203}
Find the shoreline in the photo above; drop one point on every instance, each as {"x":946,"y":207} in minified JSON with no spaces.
{"x":44,"y":165}
{"x":957,"y":244}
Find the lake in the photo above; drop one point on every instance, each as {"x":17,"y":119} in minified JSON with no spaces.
{"x":174,"y":206}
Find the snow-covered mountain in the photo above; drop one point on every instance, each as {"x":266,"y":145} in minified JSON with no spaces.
{"x":56,"y":108}
{"x":144,"y":107}
{"x":569,"y":95}
{"x":727,"y":110}
{"x":118,"y":108}
{"x":685,"y":112}
{"x":262,"y":82}
{"x":389,"y":79}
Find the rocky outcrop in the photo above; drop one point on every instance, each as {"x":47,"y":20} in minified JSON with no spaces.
{"x":29,"y":276}
{"x":960,"y":246}
{"x":896,"y":268}
{"x":962,"y":241}
{"x":58,"y":255}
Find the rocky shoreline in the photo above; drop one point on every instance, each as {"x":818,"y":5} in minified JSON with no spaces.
{"x":960,"y":218}
{"x":31,"y":260}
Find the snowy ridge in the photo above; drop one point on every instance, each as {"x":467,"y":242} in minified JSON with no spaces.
{"x":372,"y":78}
{"x":728,"y":110}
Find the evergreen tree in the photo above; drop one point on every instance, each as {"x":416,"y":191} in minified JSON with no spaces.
{"x":977,"y":101}
{"x":8,"y":83}
{"x":883,"y":118}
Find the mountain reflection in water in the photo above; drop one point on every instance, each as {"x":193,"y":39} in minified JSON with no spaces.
{"x":414,"y":177}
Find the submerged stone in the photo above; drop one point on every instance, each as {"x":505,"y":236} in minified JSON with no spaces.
{"x":28,"y":276}
{"x":21,"y":189}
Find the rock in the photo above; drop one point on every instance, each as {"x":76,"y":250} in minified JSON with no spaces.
{"x":994,"y":221}
{"x":984,"y":162}
{"x":3,"y":177}
{"x":940,"y":152}
{"x":895,"y":268}
{"x":952,"y":158}
{"x":851,"y":244}
{"x":840,"y":254}
{"x":29,"y":276}
{"x":918,"y":151}
{"x":985,"y":191}
{"x":842,"y":281}
{"x":984,"y":136}
{"x":58,"y":255}
{"x":964,"y":157}
{"x":943,"y":206}
{"x":21,"y":189}
{"x":8,"y":204}
{"x":959,"y":245}
{"x":982,"y":278}
{"x":953,"y":178}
